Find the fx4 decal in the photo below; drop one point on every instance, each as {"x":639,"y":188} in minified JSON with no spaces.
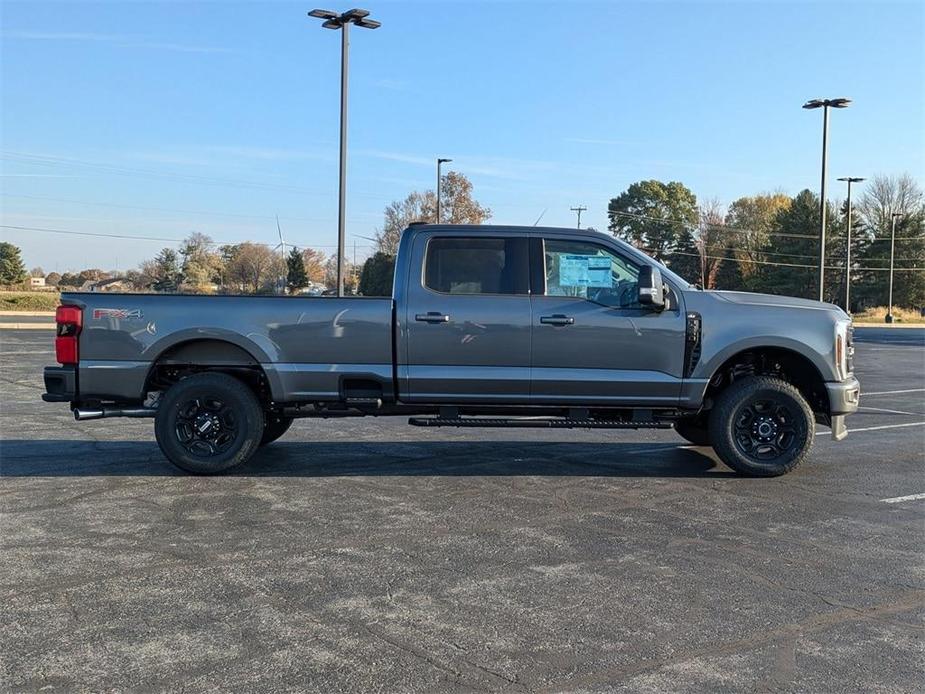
{"x":123,"y":313}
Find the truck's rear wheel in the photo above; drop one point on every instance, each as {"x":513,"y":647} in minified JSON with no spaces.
{"x":275,"y":427}
{"x":761,"y":426}
{"x":208,"y":423}
{"x":694,"y":429}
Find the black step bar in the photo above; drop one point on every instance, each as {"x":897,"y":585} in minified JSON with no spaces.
{"x":537,"y":422}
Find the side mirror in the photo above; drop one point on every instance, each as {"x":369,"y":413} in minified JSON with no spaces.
{"x":651,"y":289}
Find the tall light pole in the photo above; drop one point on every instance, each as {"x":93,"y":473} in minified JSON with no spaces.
{"x":893,"y":217}
{"x":343,"y":22}
{"x":849,"y":180}
{"x":825,"y":104}
{"x":440,"y":162}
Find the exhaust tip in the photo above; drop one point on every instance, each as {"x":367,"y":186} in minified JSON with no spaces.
{"x":83,"y":415}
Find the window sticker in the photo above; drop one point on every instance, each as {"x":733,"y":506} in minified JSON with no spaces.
{"x":599,"y":271}
{"x":584,"y":271}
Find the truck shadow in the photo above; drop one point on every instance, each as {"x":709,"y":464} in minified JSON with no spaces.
{"x":68,"y":458}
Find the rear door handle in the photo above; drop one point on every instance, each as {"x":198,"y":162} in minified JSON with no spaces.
{"x":432,"y":317}
{"x":557,"y":319}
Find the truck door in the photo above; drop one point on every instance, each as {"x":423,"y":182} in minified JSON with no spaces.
{"x":467,"y":322}
{"x":592,"y":341}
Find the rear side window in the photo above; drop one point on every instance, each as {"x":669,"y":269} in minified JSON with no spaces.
{"x":476,"y":265}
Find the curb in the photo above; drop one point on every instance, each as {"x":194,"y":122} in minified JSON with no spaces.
{"x":28,"y":314}
{"x":888,"y":326}
{"x":27,"y":326}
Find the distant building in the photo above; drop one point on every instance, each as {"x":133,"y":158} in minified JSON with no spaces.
{"x":113,"y":284}
{"x":36,"y":282}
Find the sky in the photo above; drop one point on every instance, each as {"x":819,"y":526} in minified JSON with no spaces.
{"x":161,"y":119}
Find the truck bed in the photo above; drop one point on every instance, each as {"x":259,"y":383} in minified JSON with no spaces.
{"x":305,"y":344}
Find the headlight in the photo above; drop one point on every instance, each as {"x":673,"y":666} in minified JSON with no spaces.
{"x":844,"y":348}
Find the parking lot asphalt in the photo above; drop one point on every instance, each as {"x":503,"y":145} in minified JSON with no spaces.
{"x":366,"y":555}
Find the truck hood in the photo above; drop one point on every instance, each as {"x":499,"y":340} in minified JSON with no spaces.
{"x":752,"y":299}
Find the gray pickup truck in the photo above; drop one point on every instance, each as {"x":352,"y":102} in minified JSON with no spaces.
{"x":488,"y":326}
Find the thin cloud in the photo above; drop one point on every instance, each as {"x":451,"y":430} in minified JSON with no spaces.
{"x":494,"y":167}
{"x":122,"y":41}
{"x":596,"y":141}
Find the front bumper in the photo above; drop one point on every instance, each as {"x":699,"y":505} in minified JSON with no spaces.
{"x":844,"y":397}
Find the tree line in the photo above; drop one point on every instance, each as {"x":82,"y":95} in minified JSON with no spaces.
{"x":765,"y":243}
{"x":770,"y":242}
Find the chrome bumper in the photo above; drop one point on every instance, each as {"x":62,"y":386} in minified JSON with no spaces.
{"x":844,"y":397}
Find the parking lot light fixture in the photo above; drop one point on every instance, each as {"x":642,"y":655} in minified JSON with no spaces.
{"x":825,"y":105}
{"x":893,"y":217}
{"x":849,"y":180}
{"x":333,"y":20}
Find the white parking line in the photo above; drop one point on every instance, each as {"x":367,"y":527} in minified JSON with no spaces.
{"x":900,"y":499}
{"x":894,"y":392}
{"x":883,"y":409}
{"x":887,"y":426}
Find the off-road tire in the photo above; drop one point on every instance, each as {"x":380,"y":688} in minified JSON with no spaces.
{"x":761,"y":426}
{"x":275,"y":427}
{"x":221,"y":404}
{"x":694,"y":429}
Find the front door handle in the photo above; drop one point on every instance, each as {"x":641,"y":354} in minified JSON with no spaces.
{"x":557,"y":319}
{"x":432,"y":317}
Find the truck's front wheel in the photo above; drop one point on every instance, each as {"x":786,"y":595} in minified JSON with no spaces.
{"x":208,"y":423}
{"x":761,"y":426}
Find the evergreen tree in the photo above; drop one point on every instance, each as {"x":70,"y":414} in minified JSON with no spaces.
{"x":296,"y":277}
{"x":167,"y":271}
{"x":376,"y":278}
{"x":792,"y":255}
{"x":12,"y":269}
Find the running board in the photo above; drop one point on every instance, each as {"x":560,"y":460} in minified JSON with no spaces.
{"x":535,"y":422}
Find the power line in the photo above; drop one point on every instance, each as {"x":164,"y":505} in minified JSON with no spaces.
{"x":814,"y":267}
{"x":72,"y":232}
{"x":742,"y":230}
{"x":207,"y":213}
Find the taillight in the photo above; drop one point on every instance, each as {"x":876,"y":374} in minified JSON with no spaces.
{"x":70,"y":321}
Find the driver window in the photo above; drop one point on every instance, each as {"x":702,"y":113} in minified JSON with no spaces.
{"x":589,"y":271}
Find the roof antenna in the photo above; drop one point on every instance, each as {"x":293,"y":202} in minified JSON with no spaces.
{"x":540,"y":217}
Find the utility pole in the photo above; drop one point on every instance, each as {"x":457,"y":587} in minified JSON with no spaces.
{"x":849,"y":180}
{"x":894,"y":216}
{"x":579,"y":210}
{"x":439,"y":163}
{"x":343,"y":22}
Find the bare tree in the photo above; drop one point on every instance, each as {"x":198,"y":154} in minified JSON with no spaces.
{"x":350,"y":274}
{"x":254,"y":267}
{"x":712,"y":241}
{"x":398,"y":215}
{"x":884,"y":195}
{"x":315,"y":263}
{"x":457,"y":207}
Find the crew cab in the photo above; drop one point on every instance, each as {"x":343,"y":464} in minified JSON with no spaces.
{"x":487,"y":326}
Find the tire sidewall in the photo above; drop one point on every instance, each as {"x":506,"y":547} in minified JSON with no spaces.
{"x":728,"y":406}
{"x":233,"y":393}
